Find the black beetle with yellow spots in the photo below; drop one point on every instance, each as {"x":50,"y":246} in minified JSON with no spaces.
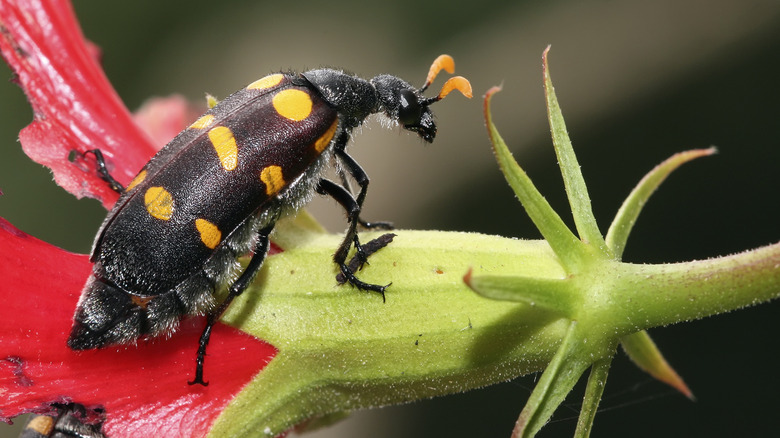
{"x":215,"y":192}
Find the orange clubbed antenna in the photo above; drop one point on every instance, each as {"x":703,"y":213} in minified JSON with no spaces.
{"x":457,"y":83}
{"x":445,"y":62}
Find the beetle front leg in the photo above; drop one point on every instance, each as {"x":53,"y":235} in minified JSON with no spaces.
{"x":236,"y":289}
{"x":376,"y":225}
{"x":103,"y":171}
{"x":343,"y":197}
{"x":353,"y":206}
{"x":361,"y":178}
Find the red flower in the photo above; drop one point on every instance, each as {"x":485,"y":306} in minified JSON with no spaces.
{"x":143,"y":389}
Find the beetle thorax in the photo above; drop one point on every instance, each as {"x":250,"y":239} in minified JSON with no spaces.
{"x":354,"y":98}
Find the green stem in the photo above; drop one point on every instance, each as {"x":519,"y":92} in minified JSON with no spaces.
{"x":647,"y":296}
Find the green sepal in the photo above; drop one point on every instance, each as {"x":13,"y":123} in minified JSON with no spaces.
{"x":553,"y":295}
{"x":341,"y":349}
{"x":626,"y":217}
{"x":553,"y":229}
{"x":590,"y":403}
{"x":574,"y":182}
{"x":646,"y":355}
{"x":556,"y":382}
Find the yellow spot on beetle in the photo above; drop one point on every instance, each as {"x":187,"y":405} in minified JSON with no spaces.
{"x":225,"y":144}
{"x":203,"y":122}
{"x":137,"y":180}
{"x":266,"y":82}
{"x":273,"y":179}
{"x":293,"y":104}
{"x":159,"y":203}
{"x":209,"y":233}
{"x":321,"y":143}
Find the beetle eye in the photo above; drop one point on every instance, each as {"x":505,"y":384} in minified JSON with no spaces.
{"x":410,"y":110}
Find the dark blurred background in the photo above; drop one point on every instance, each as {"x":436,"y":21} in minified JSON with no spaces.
{"x":637,"y":82}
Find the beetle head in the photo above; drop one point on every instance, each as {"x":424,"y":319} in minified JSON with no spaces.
{"x":406,"y":104}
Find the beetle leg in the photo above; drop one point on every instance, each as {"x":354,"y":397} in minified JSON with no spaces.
{"x":236,"y":289}
{"x":376,"y":225}
{"x":352,"y":205}
{"x":103,"y":171}
{"x":353,"y":211}
{"x":344,"y":180}
{"x":343,"y":197}
{"x":369,"y":248}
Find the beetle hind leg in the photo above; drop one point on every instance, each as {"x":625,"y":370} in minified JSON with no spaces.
{"x":236,"y":289}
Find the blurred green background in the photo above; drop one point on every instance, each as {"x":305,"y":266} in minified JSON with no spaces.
{"x":637,"y":81}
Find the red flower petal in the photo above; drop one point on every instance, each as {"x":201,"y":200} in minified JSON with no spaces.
{"x":75,"y":106}
{"x":143,"y":389}
{"x":164,"y":117}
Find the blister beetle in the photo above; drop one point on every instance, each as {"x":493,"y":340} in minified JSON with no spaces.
{"x":216,"y":190}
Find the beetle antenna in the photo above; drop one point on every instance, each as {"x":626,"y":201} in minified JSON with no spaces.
{"x":443,"y":62}
{"x":457,"y":83}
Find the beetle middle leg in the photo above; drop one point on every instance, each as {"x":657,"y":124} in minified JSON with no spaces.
{"x":236,"y":289}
